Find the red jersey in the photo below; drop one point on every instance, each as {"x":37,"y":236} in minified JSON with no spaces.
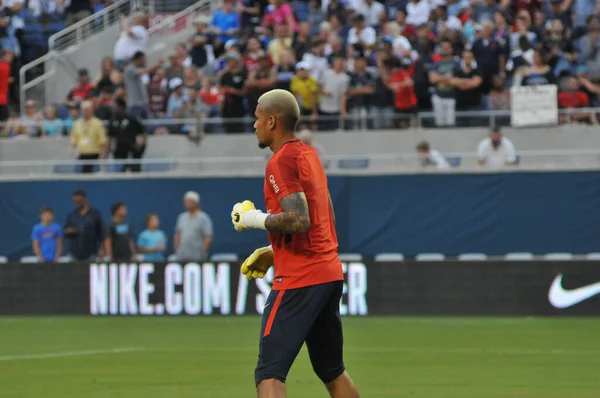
{"x":573,"y":100}
{"x":310,"y":258}
{"x":405,"y":97}
{"x":4,"y":82}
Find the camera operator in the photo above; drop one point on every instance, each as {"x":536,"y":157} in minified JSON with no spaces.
{"x":127,"y":136}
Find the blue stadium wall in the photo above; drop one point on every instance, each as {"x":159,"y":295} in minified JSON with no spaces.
{"x":451,"y":214}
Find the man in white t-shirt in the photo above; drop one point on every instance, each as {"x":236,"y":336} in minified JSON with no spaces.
{"x":133,"y":38}
{"x":371,"y":9}
{"x":496,"y":150}
{"x":431,"y":157}
{"x":361,"y":33}
{"x":333,"y":84}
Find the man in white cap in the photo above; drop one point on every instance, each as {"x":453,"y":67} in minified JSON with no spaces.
{"x":194,"y":231}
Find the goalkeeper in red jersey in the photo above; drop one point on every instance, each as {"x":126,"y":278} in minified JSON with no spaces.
{"x":303,"y":305}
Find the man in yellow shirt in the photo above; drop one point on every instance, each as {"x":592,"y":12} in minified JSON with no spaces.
{"x":280,"y":43}
{"x":306,"y":90}
{"x":88,"y":136}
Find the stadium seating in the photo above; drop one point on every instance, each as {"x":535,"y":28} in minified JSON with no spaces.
{"x":558,"y":256}
{"x":472,"y":257}
{"x":518,"y":257}
{"x":351,"y":257}
{"x":389,"y":257}
{"x":224,"y":257}
{"x":430,"y":257}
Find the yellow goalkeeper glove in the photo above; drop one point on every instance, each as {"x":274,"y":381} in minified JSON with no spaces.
{"x":244,"y":215}
{"x":258,"y":263}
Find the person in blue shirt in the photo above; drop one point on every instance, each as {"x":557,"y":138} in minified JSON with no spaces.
{"x":152,"y":242}
{"x":226,"y":23}
{"x":47,"y":237}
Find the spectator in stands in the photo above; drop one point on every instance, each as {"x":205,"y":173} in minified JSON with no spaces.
{"x":521,"y":57}
{"x":429,"y":157}
{"x":372,"y":10}
{"x":250,"y":14}
{"x":306,"y":135}
{"x":6,"y":59}
{"x":46,"y":237}
{"x":280,"y":13}
{"x":315,"y":60}
{"x":571,"y":97}
{"x":194,"y":231}
{"x":88,"y":137}
{"x":441,"y":75}
{"x":260,"y":80}
{"x":152,"y":242}
{"x":285,"y":71}
{"x":360,"y":90}
{"x":590,"y":46}
{"x":52,"y":126}
{"x":418,"y":12}
{"x":383,"y":98}
{"x":84,"y":228}
{"x":157,"y":98}
{"x":485,"y":10}
{"x":132,"y":39}
{"x":7,"y":40}
{"x":175,"y":67}
{"x":182,"y":52}
{"x":233,"y":85}
{"x":201,"y":50}
{"x":104,"y":79}
{"x":127,"y":136}
{"x":406,"y":30}
{"x":301,"y":43}
{"x":499,"y":96}
{"x":254,"y":52}
{"x":496,"y":150}
{"x":77,"y":10}
{"x":210,"y":95}
{"x":401,"y":45}
{"x":561,"y":54}
{"x":361,"y":33}
{"x":539,"y":73}
{"x":118,"y":245}
{"x":489,"y":53}
{"x":522,"y":26}
{"x":225,"y":23}
{"x":83,"y":90}
{"x":333,"y":89}
{"x":178,"y":98}
{"x":102,"y":101}
{"x":137,"y":94}
{"x":402,"y":84}
{"x":73,"y":116}
{"x":305,"y":88}
{"x":31,"y":120}
{"x":450,"y":22}
{"x":281,"y":43}
{"x":467,"y":82}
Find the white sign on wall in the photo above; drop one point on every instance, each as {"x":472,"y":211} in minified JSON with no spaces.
{"x":534,"y":106}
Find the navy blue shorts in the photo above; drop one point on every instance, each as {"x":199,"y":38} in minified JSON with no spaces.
{"x":291,"y":318}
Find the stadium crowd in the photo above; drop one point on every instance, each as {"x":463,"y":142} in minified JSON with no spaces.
{"x":351,"y":64}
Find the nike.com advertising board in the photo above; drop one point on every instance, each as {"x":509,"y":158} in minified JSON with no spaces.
{"x":371,"y":288}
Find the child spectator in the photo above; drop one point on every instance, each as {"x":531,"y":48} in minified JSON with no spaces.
{"x":119,"y":245}
{"x":52,"y":126}
{"x":152,"y":242}
{"x":47,"y":237}
{"x":572,"y":97}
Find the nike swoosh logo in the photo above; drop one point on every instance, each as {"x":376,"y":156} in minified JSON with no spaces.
{"x":559,"y":297}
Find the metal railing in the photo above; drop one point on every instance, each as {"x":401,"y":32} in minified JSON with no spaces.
{"x":546,"y":160}
{"x":95,"y":23}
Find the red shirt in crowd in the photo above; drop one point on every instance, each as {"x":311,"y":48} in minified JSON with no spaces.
{"x":81,"y":92}
{"x":577,"y":99}
{"x":4,"y":82}
{"x":211,"y":96}
{"x":310,"y":258}
{"x":405,"y":97}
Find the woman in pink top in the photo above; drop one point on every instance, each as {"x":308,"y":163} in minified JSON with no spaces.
{"x":280,"y":13}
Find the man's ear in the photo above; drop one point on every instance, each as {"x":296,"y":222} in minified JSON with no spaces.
{"x":272,"y":122}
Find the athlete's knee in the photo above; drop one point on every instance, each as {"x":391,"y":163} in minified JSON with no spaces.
{"x":271,"y":388}
{"x":328,"y":374}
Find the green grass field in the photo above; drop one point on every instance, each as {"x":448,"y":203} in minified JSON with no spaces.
{"x":214,"y":357}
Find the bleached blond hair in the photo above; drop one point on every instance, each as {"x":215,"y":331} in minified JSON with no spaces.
{"x":282,"y":105}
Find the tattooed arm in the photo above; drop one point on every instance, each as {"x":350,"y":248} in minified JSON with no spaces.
{"x":331,"y":208}
{"x":294,"y":219}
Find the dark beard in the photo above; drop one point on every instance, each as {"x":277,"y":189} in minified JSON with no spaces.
{"x":262,"y":146}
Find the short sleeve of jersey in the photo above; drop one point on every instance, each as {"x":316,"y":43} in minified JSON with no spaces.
{"x":282,"y":176}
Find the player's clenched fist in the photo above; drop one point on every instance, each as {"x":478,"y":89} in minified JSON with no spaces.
{"x":258,"y":263}
{"x":244,"y":215}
